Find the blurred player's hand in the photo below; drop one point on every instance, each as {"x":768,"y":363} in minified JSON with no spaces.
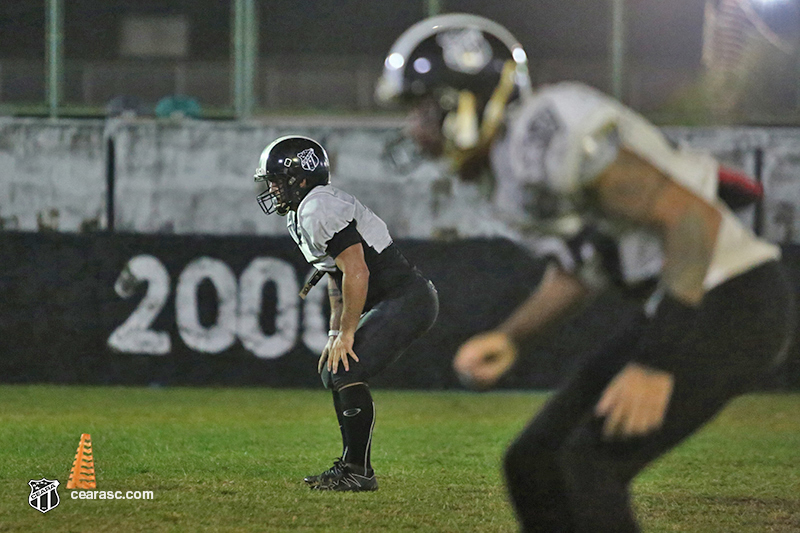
{"x":481,"y":360}
{"x":635,"y":401}
{"x":337,"y":351}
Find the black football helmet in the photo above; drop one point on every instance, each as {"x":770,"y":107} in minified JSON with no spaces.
{"x":470,"y":66}
{"x":291,"y":166}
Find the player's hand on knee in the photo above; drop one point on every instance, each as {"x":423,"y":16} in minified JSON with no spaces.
{"x":325,"y":353}
{"x":481,"y":360}
{"x":636,"y":401}
{"x":341,"y":350}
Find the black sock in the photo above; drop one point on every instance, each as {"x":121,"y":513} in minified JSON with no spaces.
{"x":358,"y":419}
{"x":337,"y":406}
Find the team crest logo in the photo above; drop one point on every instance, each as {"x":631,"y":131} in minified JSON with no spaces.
{"x":44,"y":495}
{"x":308,"y":159}
{"x":465,"y":50}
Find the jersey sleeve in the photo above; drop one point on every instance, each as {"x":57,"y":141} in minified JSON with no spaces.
{"x":343,"y":240}
{"x":564,"y":137}
{"x":322,"y":217}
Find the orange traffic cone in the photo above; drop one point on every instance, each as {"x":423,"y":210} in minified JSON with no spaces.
{"x":81,"y":475}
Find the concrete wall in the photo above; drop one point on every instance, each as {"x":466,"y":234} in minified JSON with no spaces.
{"x":52,"y":173}
{"x":195,"y":177}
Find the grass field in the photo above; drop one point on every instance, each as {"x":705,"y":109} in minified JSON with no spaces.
{"x":234,"y":459}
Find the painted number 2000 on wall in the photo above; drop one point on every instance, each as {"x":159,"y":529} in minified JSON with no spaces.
{"x":239,"y":308}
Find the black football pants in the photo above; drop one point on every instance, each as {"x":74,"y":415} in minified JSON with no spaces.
{"x":563,"y":476}
{"x":386,"y":331}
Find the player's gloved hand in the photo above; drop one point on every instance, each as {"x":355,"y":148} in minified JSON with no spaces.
{"x":481,"y":360}
{"x":635,"y":401}
{"x":341,"y":349}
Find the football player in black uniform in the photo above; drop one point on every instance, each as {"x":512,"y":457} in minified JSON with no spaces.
{"x":629,"y":211}
{"x":379,"y":302}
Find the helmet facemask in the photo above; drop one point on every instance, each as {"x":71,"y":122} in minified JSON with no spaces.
{"x":470,"y":128}
{"x":277,"y":198}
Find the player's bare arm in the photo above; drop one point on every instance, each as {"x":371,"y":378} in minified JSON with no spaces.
{"x":636,"y":400}
{"x":335,"y":298}
{"x":557,"y":296}
{"x":629,"y":188}
{"x":483,"y":359}
{"x":336,"y":302}
{"x":355,"y":282}
{"x":633,"y":189}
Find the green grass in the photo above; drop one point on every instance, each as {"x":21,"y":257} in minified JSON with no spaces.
{"x":233,"y":460}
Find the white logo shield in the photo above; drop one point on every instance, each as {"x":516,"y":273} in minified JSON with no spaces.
{"x":44,"y":495}
{"x":308,"y":159}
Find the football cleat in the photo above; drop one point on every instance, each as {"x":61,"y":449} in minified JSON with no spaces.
{"x":343,"y":478}
{"x":338,"y":464}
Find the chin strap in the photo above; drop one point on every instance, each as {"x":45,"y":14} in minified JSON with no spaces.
{"x":464,"y":138}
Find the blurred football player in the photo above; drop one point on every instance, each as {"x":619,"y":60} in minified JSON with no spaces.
{"x":627,"y":210}
{"x":379,"y":302}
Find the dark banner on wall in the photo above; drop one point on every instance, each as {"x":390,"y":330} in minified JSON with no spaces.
{"x":196,"y":310}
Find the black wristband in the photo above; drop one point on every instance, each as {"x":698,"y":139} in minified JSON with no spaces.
{"x":667,"y":335}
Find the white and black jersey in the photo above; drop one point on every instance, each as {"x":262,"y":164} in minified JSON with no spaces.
{"x":563,"y":137}
{"x":329,"y":220}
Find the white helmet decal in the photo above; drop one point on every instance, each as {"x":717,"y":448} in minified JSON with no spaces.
{"x":465,"y":50}
{"x":308,"y":159}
